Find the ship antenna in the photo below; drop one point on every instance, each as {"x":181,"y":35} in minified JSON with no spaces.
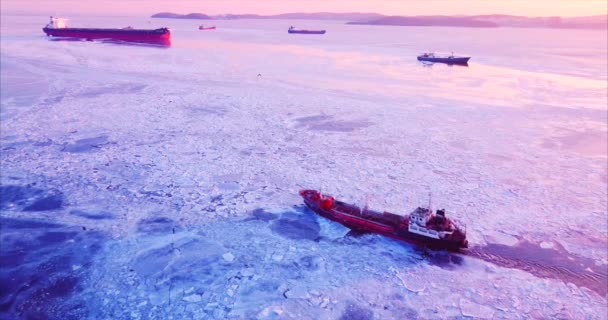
{"x":364,"y":209}
{"x":430,"y":199}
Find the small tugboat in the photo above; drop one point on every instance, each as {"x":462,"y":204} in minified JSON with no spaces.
{"x":451,"y":59}
{"x":294,"y":30}
{"x":422,"y":226}
{"x":202,"y":27}
{"x":57,"y":27}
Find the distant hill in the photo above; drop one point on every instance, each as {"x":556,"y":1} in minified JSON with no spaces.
{"x":492,"y":21}
{"x":199,"y":16}
{"x":447,"y":21}
{"x":591,"y":22}
{"x":327,"y":16}
{"x":295,"y":16}
{"x":362,"y":18}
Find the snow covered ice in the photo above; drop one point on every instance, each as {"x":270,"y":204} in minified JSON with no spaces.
{"x":140,"y":182}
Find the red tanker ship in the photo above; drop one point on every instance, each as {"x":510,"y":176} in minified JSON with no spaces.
{"x":57,"y":27}
{"x":422,"y":226}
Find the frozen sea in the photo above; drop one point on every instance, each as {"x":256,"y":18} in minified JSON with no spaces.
{"x":145,"y":182}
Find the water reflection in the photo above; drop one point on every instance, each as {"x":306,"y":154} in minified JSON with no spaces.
{"x":42,"y":268}
{"x":160,"y":43}
{"x":143,"y":43}
{"x":431,"y":64}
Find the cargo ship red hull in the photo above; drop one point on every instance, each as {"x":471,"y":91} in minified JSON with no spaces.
{"x":369,"y":221}
{"x":162,"y":35}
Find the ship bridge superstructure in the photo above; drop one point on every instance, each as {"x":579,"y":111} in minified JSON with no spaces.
{"x":424,"y":222}
{"x":57,"y":23}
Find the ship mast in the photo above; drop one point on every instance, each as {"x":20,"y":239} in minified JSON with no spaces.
{"x":430,"y":204}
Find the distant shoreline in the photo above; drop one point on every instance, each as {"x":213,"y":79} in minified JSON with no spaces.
{"x":302,"y":16}
{"x":476,"y":21}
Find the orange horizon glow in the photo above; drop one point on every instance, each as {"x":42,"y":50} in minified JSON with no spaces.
{"x":564,"y":8}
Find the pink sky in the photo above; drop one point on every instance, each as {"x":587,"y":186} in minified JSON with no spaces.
{"x":391,"y":7}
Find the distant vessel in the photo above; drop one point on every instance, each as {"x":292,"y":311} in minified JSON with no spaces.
{"x":294,"y":30}
{"x":451,"y":59}
{"x":202,"y":27}
{"x":422,"y":226}
{"x":57,"y":27}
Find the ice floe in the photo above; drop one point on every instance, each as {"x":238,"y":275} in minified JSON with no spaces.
{"x":168,"y":188}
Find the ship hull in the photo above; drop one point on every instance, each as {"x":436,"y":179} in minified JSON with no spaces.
{"x":448,"y":60}
{"x":357,"y":222}
{"x":306,"y":31}
{"x":134,"y":35}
